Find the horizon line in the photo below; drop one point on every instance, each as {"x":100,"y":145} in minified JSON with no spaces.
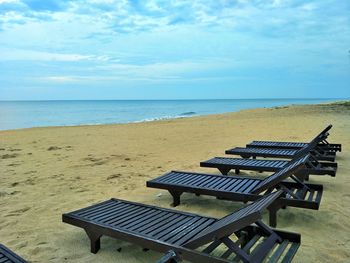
{"x":46,"y":100}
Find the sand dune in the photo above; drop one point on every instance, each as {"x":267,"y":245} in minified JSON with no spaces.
{"x":48,"y":171}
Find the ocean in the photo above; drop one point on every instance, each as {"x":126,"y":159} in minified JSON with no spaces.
{"x":27,"y":114}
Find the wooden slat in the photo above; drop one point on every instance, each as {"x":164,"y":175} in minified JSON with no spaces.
{"x":278,"y":252}
{"x":246,"y":185}
{"x":167,"y":231}
{"x":311,"y":195}
{"x":147,"y":228}
{"x":94,"y":209}
{"x":119,"y":214}
{"x":192,"y":231}
{"x":230,"y":184}
{"x":165,"y":225}
{"x":8,"y":256}
{"x":103,"y":213}
{"x":291,"y":252}
{"x":133,"y":217}
{"x":146,"y":220}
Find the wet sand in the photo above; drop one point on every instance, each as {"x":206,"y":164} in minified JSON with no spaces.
{"x":48,"y":171}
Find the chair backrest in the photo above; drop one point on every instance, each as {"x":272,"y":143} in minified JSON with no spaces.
{"x":321,"y":136}
{"x":237,"y":220}
{"x":311,"y":145}
{"x":277,"y":177}
{"x":326,"y":130}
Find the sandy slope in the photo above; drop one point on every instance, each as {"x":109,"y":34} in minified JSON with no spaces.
{"x":48,"y":171}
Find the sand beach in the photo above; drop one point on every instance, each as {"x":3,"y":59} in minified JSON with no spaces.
{"x":49,"y":171}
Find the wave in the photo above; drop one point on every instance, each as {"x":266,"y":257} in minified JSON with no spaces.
{"x":188,"y":113}
{"x":168,"y":117}
{"x":159,"y":118}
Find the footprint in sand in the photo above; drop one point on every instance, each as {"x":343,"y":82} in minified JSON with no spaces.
{"x":42,"y":249}
{"x":3,"y":194}
{"x":8,"y":156}
{"x":15,"y":184}
{"x":53,"y":148}
{"x":14,"y":164}
{"x":15,"y":150}
{"x":30,"y":172}
{"x":113,"y":176}
{"x":96,"y":161}
{"x":18,"y":211}
{"x":30,"y":181}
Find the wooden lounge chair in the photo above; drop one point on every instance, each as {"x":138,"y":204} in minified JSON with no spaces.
{"x":324,"y":144}
{"x":318,"y":152}
{"x":244,"y":189}
{"x":8,"y":256}
{"x":276,"y":153}
{"x":240,"y":236}
{"x":312,"y":166}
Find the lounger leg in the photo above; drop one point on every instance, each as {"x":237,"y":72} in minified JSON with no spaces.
{"x":224,"y":171}
{"x":176,"y":198}
{"x":170,"y":257}
{"x":95,"y":241}
{"x":273,"y":212}
{"x":273,"y":217}
{"x":237,"y":171}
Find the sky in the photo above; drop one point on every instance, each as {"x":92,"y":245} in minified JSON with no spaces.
{"x":174,"y":49}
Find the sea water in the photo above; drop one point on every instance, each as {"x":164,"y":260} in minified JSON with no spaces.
{"x":27,"y":114}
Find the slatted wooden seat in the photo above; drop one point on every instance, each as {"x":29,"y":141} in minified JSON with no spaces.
{"x":240,"y":188}
{"x":324,"y":144}
{"x":8,"y":256}
{"x":336,"y":147}
{"x":312,"y":147}
{"x":238,"y":237}
{"x":275,"y":153}
{"x":312,"y":166}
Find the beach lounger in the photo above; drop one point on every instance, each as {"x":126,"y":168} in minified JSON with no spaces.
{"x":277,"y":153}
{"x":8,"y":256}
{"x":324,"y":144}
{"x":244,"y":189}
{"x":312,"y":147}
{"x":330,"y":147}
{"x":312,"y":166}
{"x":319,"y":152}
{"x":238,"y":237}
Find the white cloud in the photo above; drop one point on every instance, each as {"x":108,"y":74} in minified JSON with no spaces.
{"x":22,"y":55}
{"x":59,"y":79}
{"x":8,"y":1}
{"x":309,"y":6}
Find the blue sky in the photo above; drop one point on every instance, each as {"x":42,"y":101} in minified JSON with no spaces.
{"x":118,"y":49}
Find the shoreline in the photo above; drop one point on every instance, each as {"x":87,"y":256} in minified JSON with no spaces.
{"x":160,"y":119}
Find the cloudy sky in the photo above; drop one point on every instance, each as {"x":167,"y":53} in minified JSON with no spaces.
{"x":174,"y":49}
